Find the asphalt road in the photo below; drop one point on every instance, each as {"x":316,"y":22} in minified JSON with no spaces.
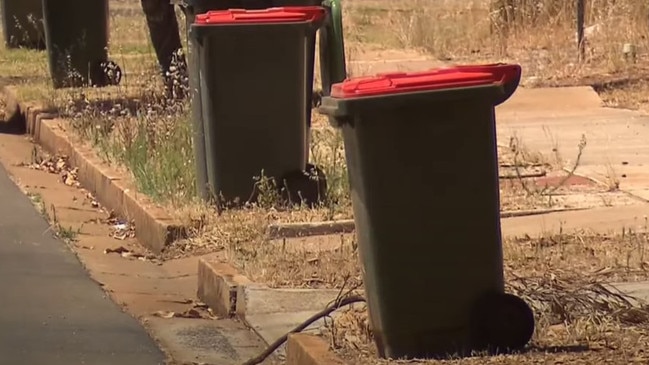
{"x":51,"y":312}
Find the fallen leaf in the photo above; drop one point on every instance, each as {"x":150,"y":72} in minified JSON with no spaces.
{"x":192,"y":313}
{"x":201,"y":305}
{"x":314,"y":281}
{"x":164,"y":314}
{"x":185,"y":301}
{"x":119,"y":250}
{"x":188,"y":314}
{"x":60,"y":164}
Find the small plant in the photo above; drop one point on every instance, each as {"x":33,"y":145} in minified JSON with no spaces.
{"x":612,"y":179}
{"x":327,"y":151}
{"x":67,"y":234}
{"x":268,"y":196}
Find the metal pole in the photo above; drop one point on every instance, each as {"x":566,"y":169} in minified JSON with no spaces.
{"x":580,"y":29}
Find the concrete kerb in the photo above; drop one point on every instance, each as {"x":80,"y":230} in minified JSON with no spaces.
{"x":305,"y":229}
{"x":154,"y":227}
{"x":270,"y":312}
{"x":230,"y":293}
{"x":303,"y":349}
{"x":218,"y":284}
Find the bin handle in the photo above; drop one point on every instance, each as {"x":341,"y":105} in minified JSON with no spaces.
{"x":333,"y":68}
{"x":509,"y":75}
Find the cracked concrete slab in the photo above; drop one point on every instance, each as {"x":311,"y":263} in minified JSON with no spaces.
{"x":272,"y":326}
{"x":254,"y":299}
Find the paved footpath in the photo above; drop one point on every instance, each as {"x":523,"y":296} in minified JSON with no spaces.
{"x":51,"y":312}
{"x":617,"y":149}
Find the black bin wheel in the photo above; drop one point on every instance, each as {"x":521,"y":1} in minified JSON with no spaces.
{"x":105,"y":73}
{"x":501,"y":323}
{"x":307,"y":187}
{"x":112,"y":73}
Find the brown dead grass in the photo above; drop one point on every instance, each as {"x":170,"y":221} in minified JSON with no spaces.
{"x":326,"y":262}
{"x":540,"y":35}
{"x":628,"y":94}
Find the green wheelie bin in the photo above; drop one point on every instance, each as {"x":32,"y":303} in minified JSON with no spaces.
{"x":77,"y":43}
{"x":331,"y":55}
{"x":256,"y":76}
{"x":423,"y":169}
{"x":22,"y":24}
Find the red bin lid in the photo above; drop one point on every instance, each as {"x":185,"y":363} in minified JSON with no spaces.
{"x":289,"y":14}
{"x":436,"y":79}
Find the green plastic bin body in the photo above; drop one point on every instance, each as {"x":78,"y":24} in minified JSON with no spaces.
{"x":253,"y":99}
{"x":423,"y":171}
{"x":77,"y":41}
{"x":22,"y":24}
{"x":200,"y":7}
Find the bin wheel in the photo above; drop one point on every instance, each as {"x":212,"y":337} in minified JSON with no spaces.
{"x":501,"y":322}
{"x":316,"y":98}
{"x":112,"y":72}
{"x":307,"y":187}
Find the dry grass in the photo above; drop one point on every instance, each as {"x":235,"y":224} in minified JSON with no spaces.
{"x":627,"y":94}
{"x":541,"y":35}
{"x":326,"y":261}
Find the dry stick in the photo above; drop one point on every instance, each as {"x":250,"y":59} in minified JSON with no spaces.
{"x":523,"y":176}
{"x":506,"y":164}
{"x":571,"y":173}
{"x":341,"y":294}
{"x":323,"y":313}
{"x":519,"y":175}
